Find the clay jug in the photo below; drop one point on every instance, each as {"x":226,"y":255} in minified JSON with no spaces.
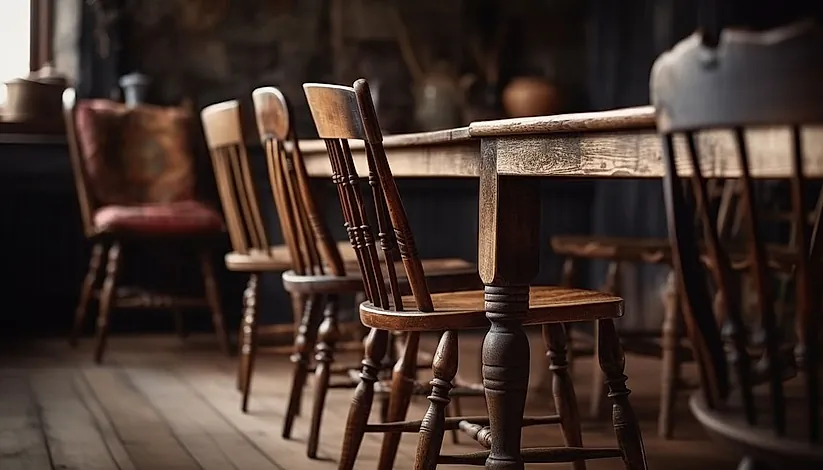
{"x":530,"y":96}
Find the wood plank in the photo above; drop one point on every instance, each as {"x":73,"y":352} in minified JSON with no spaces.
{"x":212,"y":440}
{"x":638,"y":153}
{"x":115,"y":446}
{"x":146,"y":436}
{"x":640,"y":117}
{"x":71,"y":431}
{"x":22,"y":444}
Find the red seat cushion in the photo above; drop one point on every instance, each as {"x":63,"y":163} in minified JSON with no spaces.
{"x":175,"y":218}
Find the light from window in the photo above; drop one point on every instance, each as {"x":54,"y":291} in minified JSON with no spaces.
{"x":15,"y":23}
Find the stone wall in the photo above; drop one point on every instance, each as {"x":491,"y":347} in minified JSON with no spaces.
{"x":288,"y":42}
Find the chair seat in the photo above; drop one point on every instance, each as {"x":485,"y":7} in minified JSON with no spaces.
{"x":729,"y":426}
{"x":655,"y":250}
{"x":442,"y":275}
{"x":277,"y":258}
{"x":638,"y":249}
{"x":171,"y":219}
{"x":461,"y":310}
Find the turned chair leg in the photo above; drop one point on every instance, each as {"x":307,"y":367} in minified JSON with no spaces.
{"x":376,"y":343}
{"x":611,"y":286}
{"x":248,"y":350}
{"x":328,"y":335}
{"x":565,"y":400}
{"x":613,"y":363}
{"x":107,"y":294}
{"x":402,"y":387}
{"x":86,"y":291}
{"x":433,"y":426}
{"x":304,"y":342}
{"x":670,"y":374}
{"x":213,"y":299}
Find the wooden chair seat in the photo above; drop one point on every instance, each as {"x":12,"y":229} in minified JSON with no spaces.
{"x":632,"y":249}
{"x":277,"y":258}
{"x":730,"y":426}
{"x":442,"y":275}
{"x":462,"y":310}
{"x":654,"y":250}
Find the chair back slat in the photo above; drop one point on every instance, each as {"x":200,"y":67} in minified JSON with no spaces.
{"x":234,"y":177}
{"x":746,"y":81}
{"x":403,"y":235}
{"x":344,"y":113}
{"x":307,"y":235}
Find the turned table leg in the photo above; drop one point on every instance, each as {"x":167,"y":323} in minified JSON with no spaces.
{"x":509,"y":259}
{"x":506,"y":372}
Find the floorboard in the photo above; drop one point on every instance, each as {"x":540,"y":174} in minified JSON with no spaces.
{"x":161,"y":403}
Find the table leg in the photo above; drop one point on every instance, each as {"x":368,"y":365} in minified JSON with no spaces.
{"x":508,"y":261}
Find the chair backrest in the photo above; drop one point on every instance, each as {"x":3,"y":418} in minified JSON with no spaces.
{"x":235,"y":178}
{"x":737,"y":86}
{"x":128,"y":155}
{"x":310,"y":243}
{"x":340,"y":114}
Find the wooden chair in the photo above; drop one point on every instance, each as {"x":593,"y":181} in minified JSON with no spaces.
{"x":134,"y":174}
{"x":319,"y":272}
{"x":665,"y":343}
{"x":251,"y":252}
{"x":342,"y":113}
{"x":761,"y":91}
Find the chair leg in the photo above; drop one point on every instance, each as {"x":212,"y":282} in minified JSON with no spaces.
{"x":249,"y":349}
{"x":376,"y":344}
{"x":179,"y":323}
{"x":106,"y":295}
{"x":303,"y":345}
{"x":85,"y":292}
{"x":402,"y":387}
{"x":389,"y":361}
{"x":613,"y":362}
{"x":298,"y":306}
{"x":213,"y":299}
{"x":671,"y":367}
{"x":328,"y":335}
{"x":565,"y":400}
{"x":454,"y":409}
{"x":612,"y":286}
{"x":567,"y":279}
{"x":434,"y":422}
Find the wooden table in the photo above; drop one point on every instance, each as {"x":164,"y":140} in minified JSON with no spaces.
{"x":509,"y":156}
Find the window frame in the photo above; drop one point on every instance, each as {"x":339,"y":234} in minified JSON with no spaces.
{"x":41,"y":36}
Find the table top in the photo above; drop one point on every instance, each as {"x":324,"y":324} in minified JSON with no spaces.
{"x":620,"y":143}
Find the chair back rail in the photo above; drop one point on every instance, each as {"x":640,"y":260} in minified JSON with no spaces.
{"x":314,"y":250}
{"x":340,"y":114}
{"x":744,"y":80}
{"x":233,"y":174}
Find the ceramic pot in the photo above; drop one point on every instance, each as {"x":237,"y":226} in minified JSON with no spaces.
{"x":438,"y":101}
{"x":530,"y":96}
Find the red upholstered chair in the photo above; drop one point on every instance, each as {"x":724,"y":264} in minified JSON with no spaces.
{"x":135,"y":179}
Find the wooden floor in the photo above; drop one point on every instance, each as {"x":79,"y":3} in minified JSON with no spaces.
{"x":159,"y":403}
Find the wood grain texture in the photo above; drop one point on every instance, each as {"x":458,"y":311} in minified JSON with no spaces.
{"x":638,"y":154}
{"x":596,"y":152}
{"x":641,"y":117}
